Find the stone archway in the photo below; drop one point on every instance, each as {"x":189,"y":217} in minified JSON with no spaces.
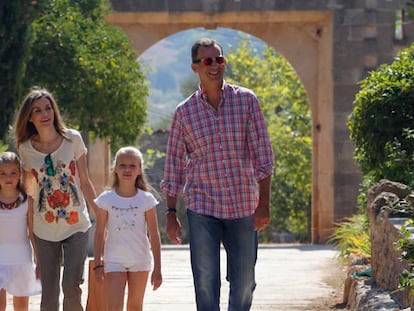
{"x":305,"y":40}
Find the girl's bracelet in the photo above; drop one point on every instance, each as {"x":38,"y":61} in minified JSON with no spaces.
{"x":171,"y":210}
{"x":97,"y":267}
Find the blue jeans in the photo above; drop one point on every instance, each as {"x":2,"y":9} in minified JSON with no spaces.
{"x":240,"y":242}
{"x":72,"y":253}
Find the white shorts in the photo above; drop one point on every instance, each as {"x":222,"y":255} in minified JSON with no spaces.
{"x":125,"y":267}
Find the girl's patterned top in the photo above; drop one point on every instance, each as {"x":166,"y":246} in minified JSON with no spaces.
{"x":127,"y":240}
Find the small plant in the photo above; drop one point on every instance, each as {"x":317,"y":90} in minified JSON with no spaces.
{"x":404,"y":206}
{"x":352,"y":237}
{"x":3,"y":146}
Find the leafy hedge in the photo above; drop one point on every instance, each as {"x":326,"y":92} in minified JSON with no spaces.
{"x":382,"y":123}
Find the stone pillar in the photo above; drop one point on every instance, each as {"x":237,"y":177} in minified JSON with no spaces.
{"x":99,"y":162}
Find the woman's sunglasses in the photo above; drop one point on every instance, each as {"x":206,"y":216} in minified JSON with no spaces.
{"x":50,"y":171}
{"x":208,"y":61}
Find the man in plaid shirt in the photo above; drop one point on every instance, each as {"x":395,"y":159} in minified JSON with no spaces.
{"x":219,"y":154}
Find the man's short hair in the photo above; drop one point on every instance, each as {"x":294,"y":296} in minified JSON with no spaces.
{"x":207,"y":42}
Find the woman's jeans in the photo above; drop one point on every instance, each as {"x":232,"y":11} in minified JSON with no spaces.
{"x":240,"y":242}
{"x":73,"y":251}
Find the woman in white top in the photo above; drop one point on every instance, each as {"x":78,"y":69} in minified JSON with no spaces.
{"x":126,"y":218}
{"x":56,"y":175}
{"x":17,"y":272}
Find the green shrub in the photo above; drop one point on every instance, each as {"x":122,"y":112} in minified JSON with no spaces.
{"x":382,"y":122}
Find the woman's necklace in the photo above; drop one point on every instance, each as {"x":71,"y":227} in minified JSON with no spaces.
{"x":12,"y":205}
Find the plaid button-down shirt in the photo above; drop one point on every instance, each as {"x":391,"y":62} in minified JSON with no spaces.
{"x":217,"y":156}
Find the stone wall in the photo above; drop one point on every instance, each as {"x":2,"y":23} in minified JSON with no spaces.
{"x":385,"y":228}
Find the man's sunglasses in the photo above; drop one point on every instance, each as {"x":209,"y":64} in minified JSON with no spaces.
{"x":208,"y":61}
{"x":50,"y":171}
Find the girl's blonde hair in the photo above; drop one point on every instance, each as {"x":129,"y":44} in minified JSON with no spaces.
{"x":23,"y":128}
{"x":141,"y":180}
{"x":9,"y":157}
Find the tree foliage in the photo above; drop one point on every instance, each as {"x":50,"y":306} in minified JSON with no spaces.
{"x":15,"y":19}
{"x":382,"y":122}
{"x":189,"y":85}
{"x":91,"y":68}
{"x":284,"y":104}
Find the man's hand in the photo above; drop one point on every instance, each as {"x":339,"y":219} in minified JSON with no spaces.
{"x":262,"y":216}
{"x":262,"y":212}
{"x":173,"y":228}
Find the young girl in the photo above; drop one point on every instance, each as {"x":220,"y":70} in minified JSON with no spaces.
{"x":122,"y":252}
{"x":17,"y":273}
{"x":56,"y":175}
